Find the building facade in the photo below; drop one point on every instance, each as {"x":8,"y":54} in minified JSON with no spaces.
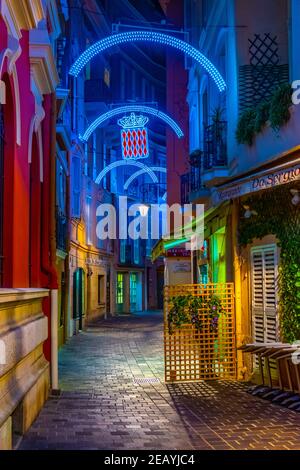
{"x":28,"y":79}
{"x":244,"y":162}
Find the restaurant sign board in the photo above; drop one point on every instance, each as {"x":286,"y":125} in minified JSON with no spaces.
{"x":258,"y":183}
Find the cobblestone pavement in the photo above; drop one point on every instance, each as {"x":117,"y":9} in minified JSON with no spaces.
{"x":106,"y":405}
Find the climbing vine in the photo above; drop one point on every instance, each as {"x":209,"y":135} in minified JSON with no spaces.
{"x":278,"y":216}
{"x":187,"y":308}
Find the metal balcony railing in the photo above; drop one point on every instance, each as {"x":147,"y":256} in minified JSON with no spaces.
{"x":196,"y":168}
{"x":185,"y":181}
{"x":61,"y":230}
{"x":152,"y":192}
{"x":215,"y":145}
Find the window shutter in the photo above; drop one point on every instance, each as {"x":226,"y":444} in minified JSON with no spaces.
{"x":264,"y":293}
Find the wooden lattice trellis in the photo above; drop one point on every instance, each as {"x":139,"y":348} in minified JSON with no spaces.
{"x":191,"y":354}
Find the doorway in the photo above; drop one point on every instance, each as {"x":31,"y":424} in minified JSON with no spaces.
{"x":133,"y":292}
{"x":78,"y":296}
{"x":120,"y":293}
{"x":160,"y":289}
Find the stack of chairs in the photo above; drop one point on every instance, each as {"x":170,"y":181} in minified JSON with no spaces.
{"x":287,"y":360}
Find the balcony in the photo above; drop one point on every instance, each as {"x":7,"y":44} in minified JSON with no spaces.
{"x":192,"y":186}
{"x":214,"y":159}
{"x":61,"y":230}
{"x":153,"y":193}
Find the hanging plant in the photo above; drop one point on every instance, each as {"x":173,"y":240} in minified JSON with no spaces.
{"x":280,"y":105}
{"x":215,"y":311}
{"x":189,"y":309}
{"x":196,"y":303}
{"x":179,"y":313}
{"x":246,"y":127}
{"x":262,"y":116}
{"x":277,"y":111}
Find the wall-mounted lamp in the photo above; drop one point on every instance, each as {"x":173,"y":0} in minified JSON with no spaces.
{"x":89,"y":273}
{"x":296,"y":196}
{"x":143,"y":210}
{"x":248,"y":212}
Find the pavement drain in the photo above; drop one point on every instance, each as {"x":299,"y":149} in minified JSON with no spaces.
{"x":146,"y":380}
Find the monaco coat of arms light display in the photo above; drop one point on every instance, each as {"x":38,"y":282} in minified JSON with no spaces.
{"x":134,"y":137}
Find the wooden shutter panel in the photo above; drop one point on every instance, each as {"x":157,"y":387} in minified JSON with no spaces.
{"x":257,"y":296}
{"x":264,"y":293}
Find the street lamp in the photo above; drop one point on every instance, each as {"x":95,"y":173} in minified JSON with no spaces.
{"x":143,"y":210}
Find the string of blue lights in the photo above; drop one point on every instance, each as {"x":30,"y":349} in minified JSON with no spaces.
{"x":148,"y":36}
{"x":127,"y":109}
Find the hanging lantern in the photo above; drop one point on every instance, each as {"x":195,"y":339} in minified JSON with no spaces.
{"x":134,"y":137}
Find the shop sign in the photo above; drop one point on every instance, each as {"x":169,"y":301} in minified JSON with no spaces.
{"x":182,"y":268}
{"x":178,"y":253}
{"x":259,"y":183}
{"x":95,"y":262}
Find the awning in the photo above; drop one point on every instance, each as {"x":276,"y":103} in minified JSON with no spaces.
{"x":282,"y":174}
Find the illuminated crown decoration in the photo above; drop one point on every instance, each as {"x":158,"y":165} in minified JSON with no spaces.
{"x":133,"y":121}
{"x":134,"y":136}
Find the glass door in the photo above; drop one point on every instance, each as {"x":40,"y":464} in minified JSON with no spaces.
{"x":133,"y":292}
{"x":120,"y":292}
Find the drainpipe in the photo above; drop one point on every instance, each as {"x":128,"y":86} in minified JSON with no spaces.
{"x":54,"y":340}
{"x":49,"y":238}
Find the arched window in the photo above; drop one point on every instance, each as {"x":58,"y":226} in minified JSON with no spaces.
{"x":8,"y":144}
{"x":35,"y":210}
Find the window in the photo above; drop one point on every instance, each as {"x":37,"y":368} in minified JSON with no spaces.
{"x":61,"y":183}
{"x":101,"y":285}
{"x":204,"y":12}
{"x":89,"y":220}
{"x":76,"y":184}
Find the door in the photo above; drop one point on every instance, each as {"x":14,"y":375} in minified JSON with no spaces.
{"x":160,"y":289}
{"x":133,"y":292}
{"x":120,"y":293}
{"x":264,"y":271}
{"x":108,"y":309}
{"x":78,"y":296}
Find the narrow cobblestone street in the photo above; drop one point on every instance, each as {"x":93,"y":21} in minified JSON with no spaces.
{"x":114,"y":397}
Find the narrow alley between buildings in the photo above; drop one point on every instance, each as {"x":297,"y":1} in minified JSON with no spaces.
{"x":114,"y":397}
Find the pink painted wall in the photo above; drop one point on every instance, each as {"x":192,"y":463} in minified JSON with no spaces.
{"x":177,"y":79}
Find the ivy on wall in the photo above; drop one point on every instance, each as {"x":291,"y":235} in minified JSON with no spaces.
{"x":276,"y":111}
{"x":278,"y":216}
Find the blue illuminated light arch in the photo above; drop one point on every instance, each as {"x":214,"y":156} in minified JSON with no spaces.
{"x":148,"y":36}
{"x":118,"y":163}
{"x":127,"y":109}
{"x":142,"y":172}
